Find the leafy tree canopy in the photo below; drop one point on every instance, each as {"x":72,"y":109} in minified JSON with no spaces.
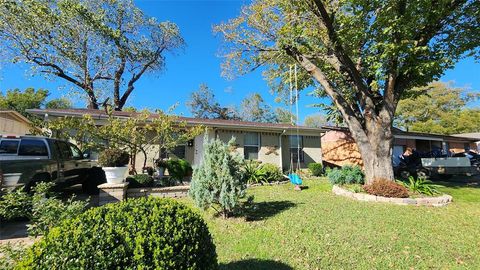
{"x":30,"y":98}
{"x":363,"y":55}
{"x":203,"y":104}
{"x":100,"y":47}
{"x":438,"y":108}
{"x":317,"y":120}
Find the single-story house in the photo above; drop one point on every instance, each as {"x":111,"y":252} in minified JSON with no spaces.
{"x":474,"y":135}
{"x":13,"y":123}
{"x":267,"y":142}
{"x":339,"y":148}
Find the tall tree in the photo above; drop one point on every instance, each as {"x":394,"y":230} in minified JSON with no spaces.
{"x":30,"y":98}
{"x":317,"y":120}
{"x":202,"y":104}
{"x":101,"y":47}
{"x":59,"y":103}
{"x":361,"y":54}
{"x":437,"y":108}
{"x":285,"y":116}
{"x":253,"y":108}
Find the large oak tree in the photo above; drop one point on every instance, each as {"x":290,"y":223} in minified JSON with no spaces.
{"x":362,"y":54}
{"x":101,"y":47}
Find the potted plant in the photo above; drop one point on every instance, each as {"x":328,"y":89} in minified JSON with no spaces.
{"x":114,"y":162}
{"x":160,"y":166}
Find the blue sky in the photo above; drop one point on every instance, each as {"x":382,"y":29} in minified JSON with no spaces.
{"x":199,"y":63}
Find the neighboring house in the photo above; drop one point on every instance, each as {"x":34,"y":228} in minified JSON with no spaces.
{"x":339,"y":148}
{"x":13,"y":123}
{"x":266,"y":142}
{"x":475,"y":135}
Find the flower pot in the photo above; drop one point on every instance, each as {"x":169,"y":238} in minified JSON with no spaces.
{"x":160,"y":171}
{"x":115,"y":175}
{"x":11,"y":179}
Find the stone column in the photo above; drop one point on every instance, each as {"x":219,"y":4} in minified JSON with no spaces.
{"x":112,"y":193}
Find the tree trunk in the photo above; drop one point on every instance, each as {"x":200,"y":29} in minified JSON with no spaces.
{"x":376,"y":149}
{"x":92,"y":99}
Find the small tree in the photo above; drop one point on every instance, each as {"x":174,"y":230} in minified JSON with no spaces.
{"x":136,"y":134}
{"x":219,"y":179}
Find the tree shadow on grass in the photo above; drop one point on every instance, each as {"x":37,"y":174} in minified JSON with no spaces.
{"x":254,"y":264}
{"x":263,"y":210}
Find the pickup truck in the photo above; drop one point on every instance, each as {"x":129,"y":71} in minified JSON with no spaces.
{"x":27,"y":160}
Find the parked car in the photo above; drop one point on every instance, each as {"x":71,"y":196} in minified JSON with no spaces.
{"x":27,"y":160}
{"x":436,"y":165}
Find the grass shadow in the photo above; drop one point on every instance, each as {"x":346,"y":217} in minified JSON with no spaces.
{"x":263,"y":210}
{"x":253,"y":264}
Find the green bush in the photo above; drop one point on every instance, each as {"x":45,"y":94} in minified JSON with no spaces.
{"x":256,"y":173}
{"x":252,"y":172}
{"x":178,"y":169}
{"x":49,"y":211}
{"x":316,"y":169}
{"x":167,"y":182}
{"x":420,"y":185}
{"x":140,"y":180}
{"x":16,"y":204}
{"x":219,"y":179}
{"x":346,"y":175}
{"x":270,"y":172}
{"x":144,"y":233}
{"x":112,"y":157}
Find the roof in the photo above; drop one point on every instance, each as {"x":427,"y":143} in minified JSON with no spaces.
{"x":221,"y":123}
{"x":16,"y":115}
{"x":399,"y":133}
{"x":474,"y":135}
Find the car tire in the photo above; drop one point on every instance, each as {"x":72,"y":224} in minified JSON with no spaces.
{"x":94,"y":178}
{"x":35,"y":180}
{"x":423,"y":173}
{"x":404,"y":174}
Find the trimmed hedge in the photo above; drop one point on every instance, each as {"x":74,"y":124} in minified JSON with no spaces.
{"x":316,"y":169}
{"x":143,"y":233}
{"x":140,"y":180}
{"x":178,"y":169}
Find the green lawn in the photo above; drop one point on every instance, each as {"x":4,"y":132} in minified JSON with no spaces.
{"x":314,"y":229}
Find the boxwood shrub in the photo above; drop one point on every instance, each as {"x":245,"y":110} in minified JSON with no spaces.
{"x":178,"y":169}
{"x":140,"y":180}
{"x":316,"y":169}
{"x":144,"y":233}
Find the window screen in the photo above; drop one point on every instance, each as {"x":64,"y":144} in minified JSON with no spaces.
{"x":9,"y":146}
{"x":296,"y":148}
{"x":30,"y":147}
{"x":251,"y":139}
{"x":251,"y":145}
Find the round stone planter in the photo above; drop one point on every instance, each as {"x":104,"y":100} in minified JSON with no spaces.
{"x":427,"y":201}
{"x":115,"y":175}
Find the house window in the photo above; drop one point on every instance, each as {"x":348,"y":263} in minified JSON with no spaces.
{"x":251,"y":145}
{"x":296,"y":148}
{"x":176,"y":152}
